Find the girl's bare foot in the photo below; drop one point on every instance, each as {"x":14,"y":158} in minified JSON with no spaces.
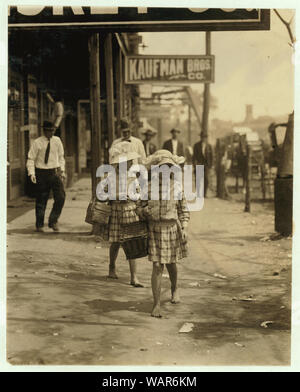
{"x":175,"y":299}
{"x":112,"y":274}
{"x":136,"y":283}
{"x":156,"y":311}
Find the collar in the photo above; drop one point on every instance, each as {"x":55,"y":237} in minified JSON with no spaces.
{"x":127,"y":140}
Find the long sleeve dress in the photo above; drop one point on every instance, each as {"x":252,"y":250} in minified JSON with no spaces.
{"x":166,"y":219}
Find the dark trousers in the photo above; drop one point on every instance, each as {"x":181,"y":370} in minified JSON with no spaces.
{"x":48,"y":180}
{"x":205,"y":181}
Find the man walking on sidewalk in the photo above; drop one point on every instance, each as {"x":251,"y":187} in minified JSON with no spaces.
{"x":46,"y":168}
{"x":136,"y":143}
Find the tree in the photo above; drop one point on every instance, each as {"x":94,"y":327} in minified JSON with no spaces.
{"x":288,"y":26}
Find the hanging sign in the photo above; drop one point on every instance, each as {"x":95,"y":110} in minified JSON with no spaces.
{"x":169,"y":69}
{"x":139,"y":18}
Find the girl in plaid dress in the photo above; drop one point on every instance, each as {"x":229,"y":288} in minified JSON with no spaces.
{"x":121,"y":152}
{"x":167,"y":223}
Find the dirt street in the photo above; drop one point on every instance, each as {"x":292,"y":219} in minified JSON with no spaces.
{"x":63,"y":310}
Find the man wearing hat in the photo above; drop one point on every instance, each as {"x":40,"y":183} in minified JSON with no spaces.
{"x":203,"y":155}
{"x":137,"y":144}
{"x":150,"y":148}
{"x":174,"y":145}
{"x":46,"y":168}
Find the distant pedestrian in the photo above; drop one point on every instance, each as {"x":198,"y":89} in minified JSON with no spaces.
{"x":46,"y":168}
{"x":189,"y":155}
{"x":203,"y":155}
{"x":174,"y":145}
{"x":167,"y":223}
{"x":137,"y":144}
{"x":57,"y":111}
{"x":150,"y":148}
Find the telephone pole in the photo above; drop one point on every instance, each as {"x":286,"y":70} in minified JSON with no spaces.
{"x":206,"y":94}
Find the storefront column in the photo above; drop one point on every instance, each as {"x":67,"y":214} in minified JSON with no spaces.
{"x":109,"y":88}
{"x":94,"y":62}
{"x":120,"y":88}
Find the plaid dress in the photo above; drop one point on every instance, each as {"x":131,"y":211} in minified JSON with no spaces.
{"x":124,"y":221}
{"x":123,"y":212}
{"x":166,"y":244}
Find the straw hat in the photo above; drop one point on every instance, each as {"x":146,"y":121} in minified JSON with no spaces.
{"x":175,"y":130}
{"x":124,"y":124}
{"x":163,"y":157}
{"x":148,"y":131}
{"x":122,"y":152}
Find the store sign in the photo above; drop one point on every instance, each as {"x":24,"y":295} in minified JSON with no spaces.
{"x":169,"y":69}
{"x":140,"y":18}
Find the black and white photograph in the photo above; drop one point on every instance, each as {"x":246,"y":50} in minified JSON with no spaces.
{"x":150,"y":185}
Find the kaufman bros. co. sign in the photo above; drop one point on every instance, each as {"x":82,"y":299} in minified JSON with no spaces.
{"x":169,"y":69}
{"x":139,"y":18}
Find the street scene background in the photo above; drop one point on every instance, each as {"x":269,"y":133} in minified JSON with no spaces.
{"x":235,"y":285}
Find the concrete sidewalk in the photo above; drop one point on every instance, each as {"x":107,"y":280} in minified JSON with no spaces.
{"x":63,"y":310}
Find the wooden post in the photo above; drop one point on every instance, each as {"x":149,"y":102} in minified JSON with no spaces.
{"x":189,"y":125}
{"x":263,"y":174}
{"x":159,"y":135}
{"x":109,"y":88}
{"x":248,"y":180}
{"x":220,"y":169}
{"x":95,"y":107}
{"x":194,"y":104}
{"x":218,"y":165}
{"x":124,"y":90}
{"x":206,"y":94}
{"x":120,"y":90}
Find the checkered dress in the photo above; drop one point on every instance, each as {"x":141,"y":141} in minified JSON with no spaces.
{"x":166,"y":244}
{"x":120,"y":211}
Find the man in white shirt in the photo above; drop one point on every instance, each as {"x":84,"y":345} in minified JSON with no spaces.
{"x":46,"y":168}
{"x":137,"y":144}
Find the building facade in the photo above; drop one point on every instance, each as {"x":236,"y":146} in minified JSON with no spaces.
{"x":47,"y":66}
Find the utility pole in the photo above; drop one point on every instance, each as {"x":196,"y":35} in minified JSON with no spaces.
{"x":94,"y":62}
{"x":189,"y":124}
{"x":194,"y":104}
{"x":206,"y":95}
{"x":109,"y":88}
{"x":159,"y":131}
{"x":119,"y":89}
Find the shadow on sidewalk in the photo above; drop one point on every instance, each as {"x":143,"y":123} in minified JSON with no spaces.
{"x":72,"y":236}
{"x":66,"y":321}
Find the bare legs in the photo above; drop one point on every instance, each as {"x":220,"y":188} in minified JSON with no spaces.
{"x":156,"y":286}
{"x":172,"y":269}
{"x":113,"y":254}
{"x":134,"y":281}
